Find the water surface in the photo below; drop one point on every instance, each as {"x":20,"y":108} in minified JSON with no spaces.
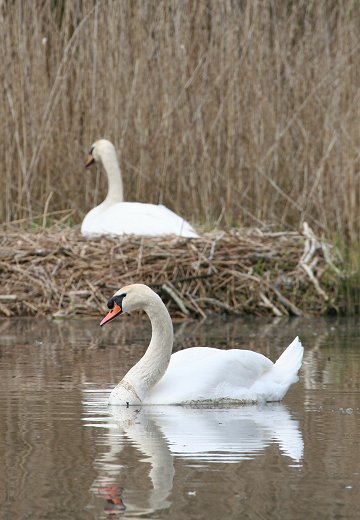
{"x":66,"y":455}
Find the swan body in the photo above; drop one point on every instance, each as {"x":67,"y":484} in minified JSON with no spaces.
{"x":197,"y":374}
{"x":116,"y":217}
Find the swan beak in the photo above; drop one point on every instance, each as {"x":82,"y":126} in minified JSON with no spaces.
{"x":90,"y":160}
{"x":112,"y":314}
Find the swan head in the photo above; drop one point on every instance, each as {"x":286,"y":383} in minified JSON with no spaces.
{"x":98,"y":150}
{"x":130,"y":298}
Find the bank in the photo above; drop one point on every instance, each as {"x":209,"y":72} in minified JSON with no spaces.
{"x":56,"y":272}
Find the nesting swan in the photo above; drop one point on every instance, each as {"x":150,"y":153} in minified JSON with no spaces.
{"x":199,"y":373}
{"x":116,"y":217}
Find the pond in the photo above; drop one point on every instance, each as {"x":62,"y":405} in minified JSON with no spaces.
{"x":66,"y":455}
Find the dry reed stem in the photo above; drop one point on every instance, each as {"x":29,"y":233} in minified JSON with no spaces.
{"x":60,"y":273}
{"x":235,"y":113}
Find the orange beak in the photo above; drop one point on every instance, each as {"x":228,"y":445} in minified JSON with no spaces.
{"x":90,"y":160}
{"x":111,"y":315}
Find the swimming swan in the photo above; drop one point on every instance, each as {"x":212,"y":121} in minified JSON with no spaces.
{"x":116,"y":217}
{"x":199,"y":373}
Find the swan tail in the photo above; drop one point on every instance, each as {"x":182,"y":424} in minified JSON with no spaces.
{"x":285,"y":370}
{"x":291,"y":359}
{"x":283,"y":373}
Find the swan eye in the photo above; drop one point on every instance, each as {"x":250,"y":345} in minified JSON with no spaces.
{"x":116,"y":299}
{"x":91,"y":150}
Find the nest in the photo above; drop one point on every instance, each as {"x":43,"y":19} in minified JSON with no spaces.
{"x":57,"y":272}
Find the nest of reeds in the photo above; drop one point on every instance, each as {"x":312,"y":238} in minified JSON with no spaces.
{"x":61,"y":273}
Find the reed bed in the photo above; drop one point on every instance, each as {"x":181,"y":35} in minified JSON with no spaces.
{"x":59,"y":273}
{"x":234,"y":113}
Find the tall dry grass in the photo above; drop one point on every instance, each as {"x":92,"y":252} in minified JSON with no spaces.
{"x":229,"y":112}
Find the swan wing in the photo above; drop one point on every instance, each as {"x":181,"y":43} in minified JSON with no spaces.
{"x":202,"y":373}
{"x":136,"y":218}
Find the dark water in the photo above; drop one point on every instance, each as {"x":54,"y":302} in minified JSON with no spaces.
{"x":65,"y":455}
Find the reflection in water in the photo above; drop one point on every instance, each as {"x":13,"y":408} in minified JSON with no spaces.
{"x":54,"y":465}
{"x":197,"y":434}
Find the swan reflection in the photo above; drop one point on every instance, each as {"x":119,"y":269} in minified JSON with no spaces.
{"x":160,"y":433}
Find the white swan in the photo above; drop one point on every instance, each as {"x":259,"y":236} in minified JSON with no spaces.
{"x":116,"y":217}
{"x":199,"y":373}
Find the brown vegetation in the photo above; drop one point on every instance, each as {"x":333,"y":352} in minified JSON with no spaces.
{"x":61,"y":273}
{"x":235,"y":113}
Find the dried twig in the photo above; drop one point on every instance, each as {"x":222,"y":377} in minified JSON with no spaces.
{"x":250,"y":270}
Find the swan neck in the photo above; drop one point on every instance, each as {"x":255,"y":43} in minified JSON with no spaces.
{"x":115,"y":185}
{"x":152,"y":366}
